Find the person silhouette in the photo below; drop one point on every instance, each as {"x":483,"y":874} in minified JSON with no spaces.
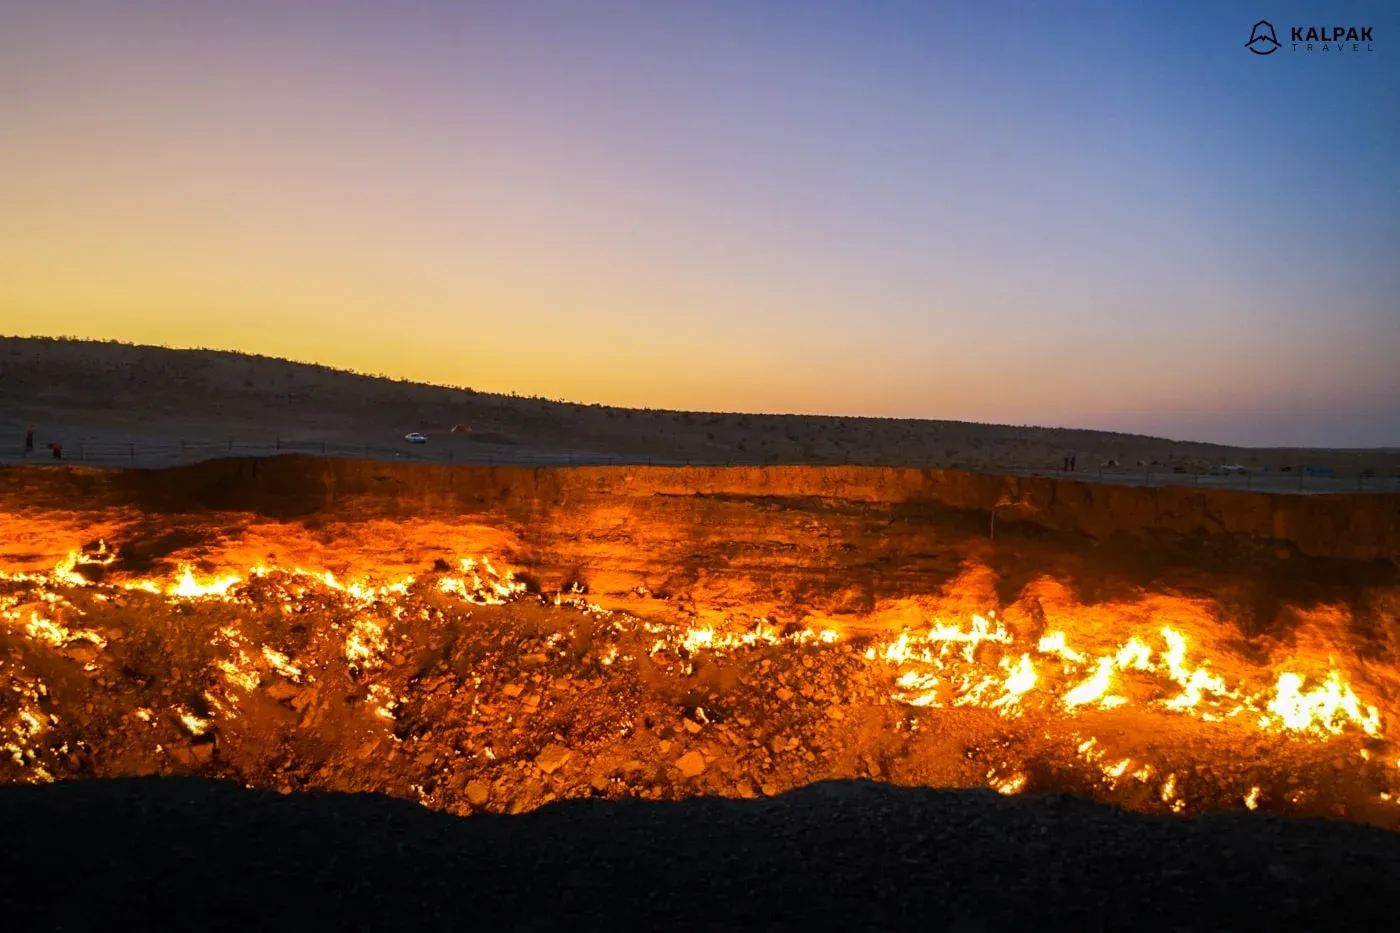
{"x":29,"y":441}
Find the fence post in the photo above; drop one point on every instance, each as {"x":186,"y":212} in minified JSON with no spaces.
{"x":82,"y":452}
{"x":279,"y":443}
{"x":131,"y":451}
{"x":449,"y":456}
{"x":230,"y":443}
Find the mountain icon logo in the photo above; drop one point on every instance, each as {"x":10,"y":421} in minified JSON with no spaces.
{"x":1262,"y":39}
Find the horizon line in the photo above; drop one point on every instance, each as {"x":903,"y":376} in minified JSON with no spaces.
{"x":351,"y":371}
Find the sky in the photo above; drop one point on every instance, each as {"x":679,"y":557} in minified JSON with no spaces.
{"x":1099,"y":215}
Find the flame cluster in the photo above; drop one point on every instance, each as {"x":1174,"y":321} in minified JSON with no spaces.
{"x":946,"y":666}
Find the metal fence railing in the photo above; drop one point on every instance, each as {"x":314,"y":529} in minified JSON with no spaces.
{"x":165,"y":452}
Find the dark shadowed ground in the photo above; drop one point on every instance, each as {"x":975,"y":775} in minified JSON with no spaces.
{"x":190,"y":854}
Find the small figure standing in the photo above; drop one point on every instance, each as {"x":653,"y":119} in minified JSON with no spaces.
{"x":1072,"y":460}
{"x":57,"y":450}
{"x":29,"y":441}
{"x":1065,"y":467}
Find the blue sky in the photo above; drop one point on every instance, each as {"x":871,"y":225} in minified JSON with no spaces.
{"x":1100,"y":215}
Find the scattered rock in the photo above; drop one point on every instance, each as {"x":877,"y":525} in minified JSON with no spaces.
{"x":82,"y":652}
{"x":552,"y":758}
{"x":512,"y":690}
{"x":784,"y":694}
{"x":195,"y":754}
{"x":282,"y":690}
{"x":478,"y":793}
{"x":692,"y":726}
{"x":691,"y":764}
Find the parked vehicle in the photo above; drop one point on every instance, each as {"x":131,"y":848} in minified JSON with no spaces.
{"x":416,"y":438}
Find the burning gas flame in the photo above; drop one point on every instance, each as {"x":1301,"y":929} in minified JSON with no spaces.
{"x":1329,"y":707}
{"x":978,"y":663}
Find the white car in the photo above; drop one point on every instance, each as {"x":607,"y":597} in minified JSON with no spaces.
{"x":416,"y":438}
{"x":1233,"y":468}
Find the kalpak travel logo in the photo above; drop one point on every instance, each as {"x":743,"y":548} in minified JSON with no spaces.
{"x":1263,"y":40}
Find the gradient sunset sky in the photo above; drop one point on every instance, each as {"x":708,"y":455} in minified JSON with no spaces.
{"x":1103,"y":215}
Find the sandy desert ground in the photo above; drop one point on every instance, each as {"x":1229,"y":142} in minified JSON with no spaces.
{"x":115,"y":404}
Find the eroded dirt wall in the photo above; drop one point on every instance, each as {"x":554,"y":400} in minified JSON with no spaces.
{"x":1354,"y":527}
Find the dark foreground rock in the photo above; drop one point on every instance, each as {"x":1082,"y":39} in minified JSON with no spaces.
{"x":192,"y":854}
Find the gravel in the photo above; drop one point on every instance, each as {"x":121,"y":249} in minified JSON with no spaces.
{"x":149,"y":853}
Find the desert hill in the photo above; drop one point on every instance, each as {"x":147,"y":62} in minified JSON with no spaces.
{"x":210,"y":395}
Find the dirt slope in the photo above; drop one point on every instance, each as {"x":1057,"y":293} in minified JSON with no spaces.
{"x":71,"y":389}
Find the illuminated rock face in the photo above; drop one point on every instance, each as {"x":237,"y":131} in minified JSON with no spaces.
{"x":500,"y":637}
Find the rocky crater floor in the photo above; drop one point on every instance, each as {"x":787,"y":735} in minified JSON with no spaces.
{"x":462,"y":690}
{"x":497,"y":659}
